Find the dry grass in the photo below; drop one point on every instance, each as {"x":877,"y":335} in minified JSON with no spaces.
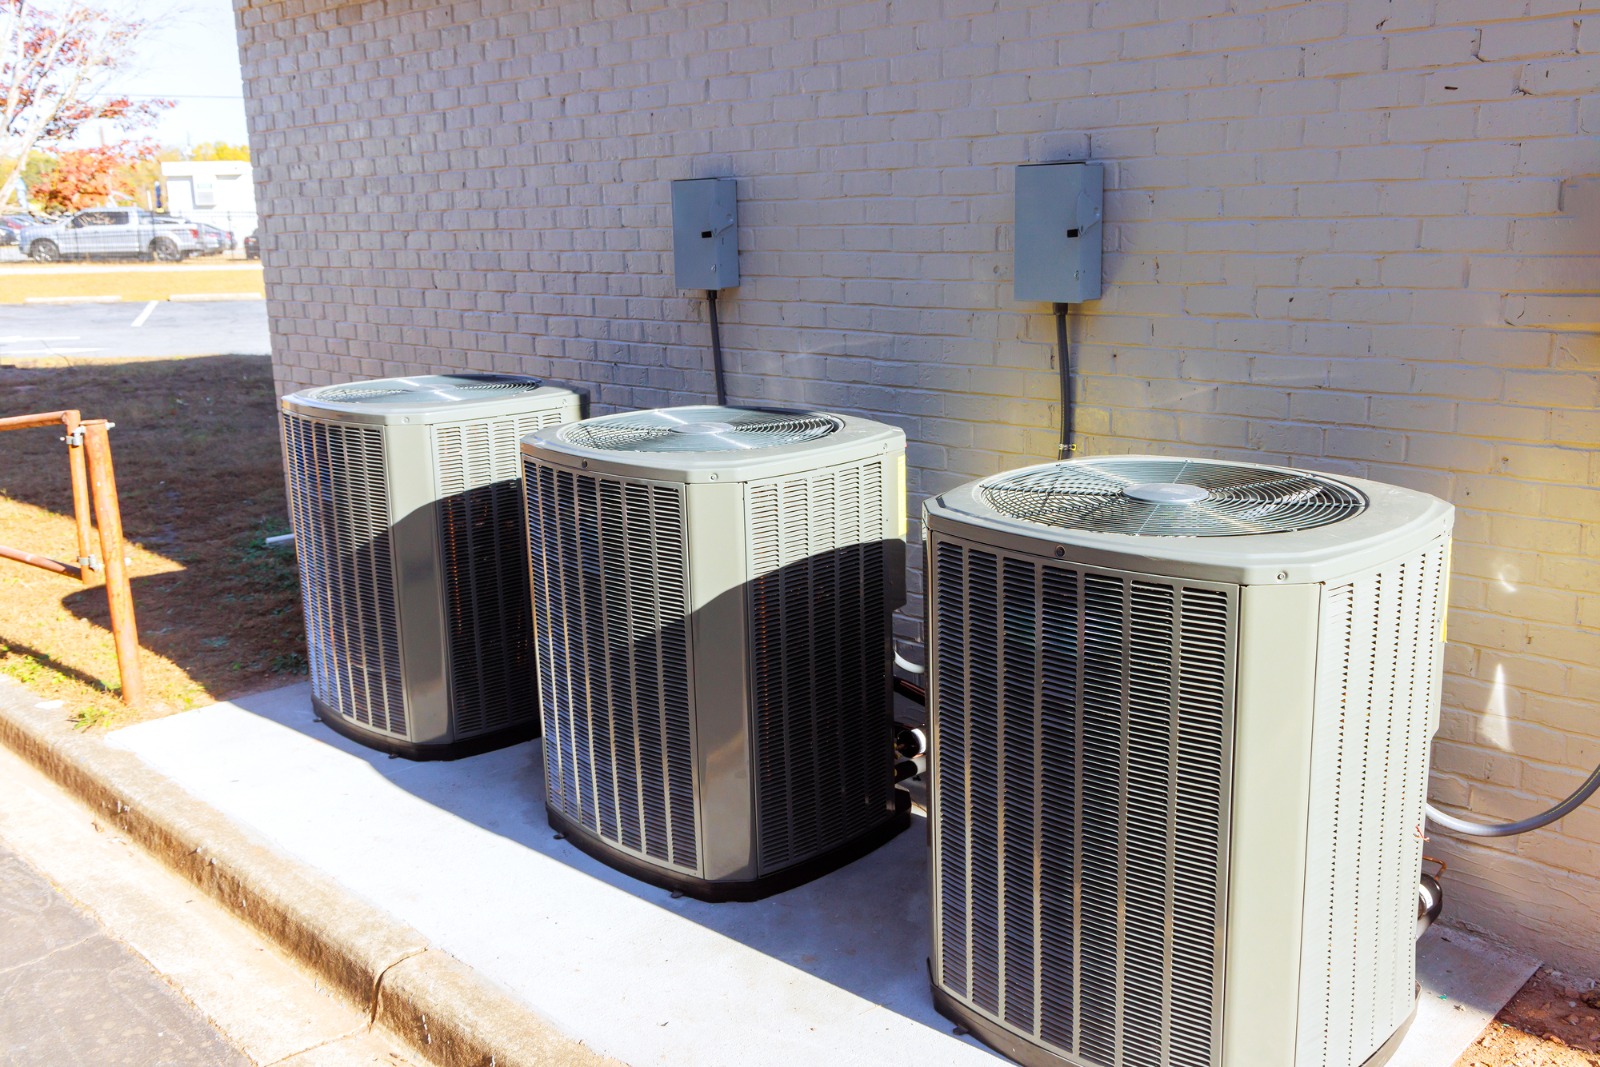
{"x":201,"y":484}
{"x":129,"y":281}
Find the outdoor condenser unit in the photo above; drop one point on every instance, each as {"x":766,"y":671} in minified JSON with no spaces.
{"x":1181,"y":712}
{"x":405,"y":495}
{"x":713,"y":589}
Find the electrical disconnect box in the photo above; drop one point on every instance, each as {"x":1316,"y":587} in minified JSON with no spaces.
{"x":705,"y":233}
{"x":1058,"y":212}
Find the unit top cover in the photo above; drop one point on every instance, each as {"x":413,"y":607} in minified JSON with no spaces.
{"x":1202,"y":515}
{"x":700,"y":429}
{"x":425,"y":397}
{"x":1159,"y":497}
{"x":705,"y":442}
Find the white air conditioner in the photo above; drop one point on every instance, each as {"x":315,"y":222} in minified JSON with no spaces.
{"x":1181,"y":712}
{"x":405,"y":497}
{"x":713,"y":589}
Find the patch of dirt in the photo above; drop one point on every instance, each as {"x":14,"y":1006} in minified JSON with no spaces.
{"x":199,"y":474}
{"x":1553,"y":1021}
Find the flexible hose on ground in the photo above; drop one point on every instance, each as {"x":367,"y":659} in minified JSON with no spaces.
{"x":1521,"y":826}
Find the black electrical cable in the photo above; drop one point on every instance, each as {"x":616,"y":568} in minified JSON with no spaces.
{"x":716,"y":347}
{"x":1064,"y":367}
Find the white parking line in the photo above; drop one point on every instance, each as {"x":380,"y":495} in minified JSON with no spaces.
{"x":198,"y":297}
{"x":145,"y":314}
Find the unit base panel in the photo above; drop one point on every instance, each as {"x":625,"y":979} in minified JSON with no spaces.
{"x":446,"y":750}
{"x":718,"y":892}
{"x":1029,"y":1054}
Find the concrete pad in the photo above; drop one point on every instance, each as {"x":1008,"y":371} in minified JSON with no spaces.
{"x":1465,"y":981}
{"x":830,"y":973}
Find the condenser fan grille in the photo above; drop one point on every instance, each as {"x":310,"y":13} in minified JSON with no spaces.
{"x":358,"y":394}
{"x":1157,"y":497}
{"x":428,"y":388}
{"x":700,"y":429}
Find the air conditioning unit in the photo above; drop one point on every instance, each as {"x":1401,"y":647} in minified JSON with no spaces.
{"x":405,"y":496}
{"x":713,"y":589}
{"x":1181,"y":712}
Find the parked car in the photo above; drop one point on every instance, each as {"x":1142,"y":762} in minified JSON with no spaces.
{"x":13,"y":225}
{"x":252,"y":245}
{"x":117,"y":231}
{"x":214,"y":239}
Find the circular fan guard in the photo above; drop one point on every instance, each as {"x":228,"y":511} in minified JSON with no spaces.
{"x":700,"y":429}
{"x":427,"y":387}
{"x":1123,"y":495}
{"x":357,"y":394}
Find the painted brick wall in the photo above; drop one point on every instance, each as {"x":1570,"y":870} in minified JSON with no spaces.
{"x":1358,"y":236}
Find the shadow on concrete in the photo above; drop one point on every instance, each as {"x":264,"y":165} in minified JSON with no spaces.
{"x":863,"y":928}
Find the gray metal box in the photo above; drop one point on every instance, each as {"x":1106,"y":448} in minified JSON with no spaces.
{"x":1058,"y":238}
{"x":705,"y":233}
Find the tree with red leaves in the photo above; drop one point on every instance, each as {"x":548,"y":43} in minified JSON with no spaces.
{"x":56,"y":65}
{"x":89,"y":177}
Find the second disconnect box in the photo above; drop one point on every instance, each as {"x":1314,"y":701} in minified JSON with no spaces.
{"x":705,"y":233}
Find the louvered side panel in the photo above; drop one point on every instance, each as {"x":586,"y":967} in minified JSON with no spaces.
{"x":339,"y":507}
{"x":818,"y":639}
{"x":611,"y":621}
{"x":1378,"y":670}
{"x":483,"y":545}
{"x":1082,"y":725}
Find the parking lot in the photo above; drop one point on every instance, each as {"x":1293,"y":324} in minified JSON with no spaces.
{"x":132,"y":328}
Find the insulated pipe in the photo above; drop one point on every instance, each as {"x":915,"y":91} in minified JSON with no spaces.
{"x":1430,"y":902}
{"x":910,"y":768}
{"x":1521,"y":826}
{"x":906,"y":665}
{"x":909,"y":741}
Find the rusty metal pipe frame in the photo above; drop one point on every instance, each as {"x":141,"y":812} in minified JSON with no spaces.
{"x":69,"y":419}
{"x":94,"y":485}
{"x":44,"y":563}
{"x":119,"y":594}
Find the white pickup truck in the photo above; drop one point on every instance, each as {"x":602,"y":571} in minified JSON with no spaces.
{"x":112,"y":231}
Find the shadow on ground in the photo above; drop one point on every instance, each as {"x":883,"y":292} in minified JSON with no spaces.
{"x":200,"y":482}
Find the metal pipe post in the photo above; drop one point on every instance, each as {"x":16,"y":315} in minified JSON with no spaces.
{"x":80,"y":493}
{"x":119,"y":595}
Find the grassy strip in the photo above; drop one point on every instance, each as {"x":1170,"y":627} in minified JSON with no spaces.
{"x":201,"y":485}
{"x":136,"y":283}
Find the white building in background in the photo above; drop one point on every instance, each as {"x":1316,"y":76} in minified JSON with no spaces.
{"x":221,"y":192}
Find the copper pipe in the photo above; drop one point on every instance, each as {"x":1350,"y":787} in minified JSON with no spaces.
{"x":119,"y":595}
{"x":42,"y":562}
{"x":80,"y":492}
{"x":48,"y":418}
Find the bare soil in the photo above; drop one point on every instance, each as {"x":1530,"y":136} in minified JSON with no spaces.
{"x":1553,"y":1021}
{"x":200,"y":478}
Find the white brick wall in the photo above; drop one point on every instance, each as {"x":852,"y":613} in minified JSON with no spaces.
{"x":1358,"y":236}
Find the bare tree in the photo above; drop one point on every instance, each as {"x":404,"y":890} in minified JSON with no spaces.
{"x":57,"y":64}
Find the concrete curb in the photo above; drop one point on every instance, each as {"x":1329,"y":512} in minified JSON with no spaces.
{"x":447,"y":1012}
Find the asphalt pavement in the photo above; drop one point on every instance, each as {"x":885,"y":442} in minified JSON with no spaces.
{"x":117,"y":331}
{"x":72,"y":994}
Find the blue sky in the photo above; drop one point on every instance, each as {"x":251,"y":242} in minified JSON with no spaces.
{"x":189,"y":54}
